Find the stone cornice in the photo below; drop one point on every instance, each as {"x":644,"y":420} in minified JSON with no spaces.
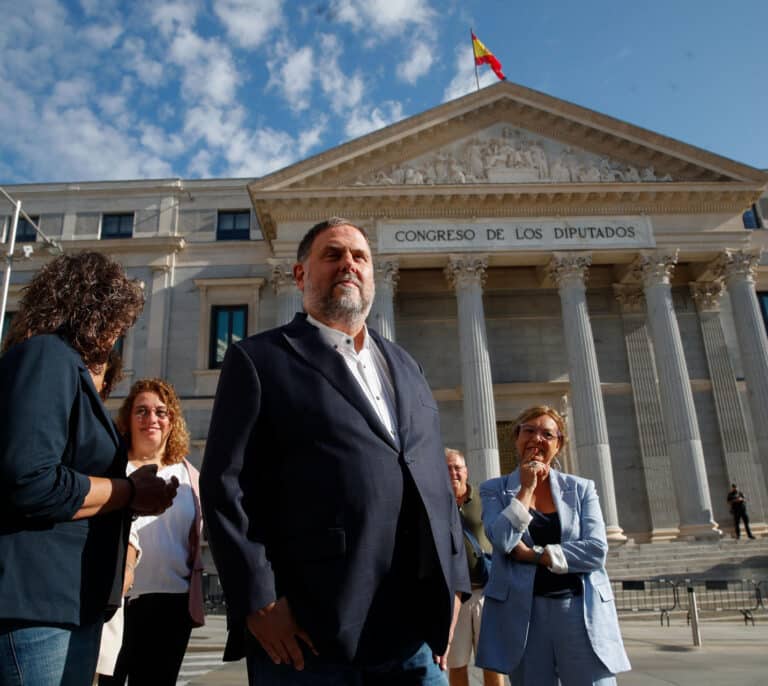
{"x":153,"y":245}
{"x":525,"y":200}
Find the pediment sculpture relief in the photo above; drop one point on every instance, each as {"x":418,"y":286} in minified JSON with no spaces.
{"x":513,"y":156}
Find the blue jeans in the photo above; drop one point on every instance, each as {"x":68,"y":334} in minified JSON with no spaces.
{"x":417,"y":670}
{"x":558,"y":649}
{"x":48,"y":655}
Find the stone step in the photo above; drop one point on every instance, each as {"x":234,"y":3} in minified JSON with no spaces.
{"x":726,"y":558}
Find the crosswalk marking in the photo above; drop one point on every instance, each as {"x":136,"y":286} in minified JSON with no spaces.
{"x":196,"y":664}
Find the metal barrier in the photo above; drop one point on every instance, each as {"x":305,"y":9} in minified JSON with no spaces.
{"x":762,"y":594}
{"x":640,"y":595}
{"x":715,"y":596}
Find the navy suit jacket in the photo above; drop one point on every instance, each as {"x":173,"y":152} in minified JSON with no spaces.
{"x":54,"y":433}
{"x":302,"y":487}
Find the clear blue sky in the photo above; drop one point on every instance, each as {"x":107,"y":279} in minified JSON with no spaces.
{"x":109,"y":89}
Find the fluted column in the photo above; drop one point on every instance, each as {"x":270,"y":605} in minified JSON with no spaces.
{"x":569,"y":272}
{"x":733,"y":429}
{"x":739,"y":268}
{"x":157,"y":327}
{"x":289,"y":297}
{"x":467,"y":276}
{"x":382,"y":315}
{"x":680,"y":422}
{"x":650,"y":424}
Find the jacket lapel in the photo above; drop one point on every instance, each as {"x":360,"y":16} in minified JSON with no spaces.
{"x":403,"y":400}
{"x":305,"y":339}
{"x":562,"y":494}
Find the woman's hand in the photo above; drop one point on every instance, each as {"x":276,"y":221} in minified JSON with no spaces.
{"x":153,"y":494}
{"x":531,"y":473}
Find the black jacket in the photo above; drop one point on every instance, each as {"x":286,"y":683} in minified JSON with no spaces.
{"x":54,"y":433}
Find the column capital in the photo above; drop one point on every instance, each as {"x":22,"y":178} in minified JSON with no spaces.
{"x":739,"y":265}
{"x":569,"y":268}
{"x":630,"y":297}
{"x":387,"y":271}
{"x":463,"y":271}
{"x":654,"y":267}
{"x":707,"y":294}
{"x":282,"y":275}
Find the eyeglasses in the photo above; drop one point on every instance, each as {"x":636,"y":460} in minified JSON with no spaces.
{"x":143,"y":412}
{"x":527,"y":431}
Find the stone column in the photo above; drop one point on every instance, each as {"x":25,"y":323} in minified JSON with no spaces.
{"x":739,"y":463}
{"x":680,"y":423}
{"x":739,"y":268}
{"x":382,"y":314}
{"x":650,"y":424}
{"x":289,"y":297}
{"x":569,"y":271}
{"x":154,"y":362}
{"x":467,"y":276}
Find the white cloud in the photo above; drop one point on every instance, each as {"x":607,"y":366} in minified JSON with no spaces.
{"x":416,"y":65}
{"x":160,"y":141}
{"x":101,"y":36}
{"x":386,"y":17}
{"x":361,"y":122}
{"x":208,"y":70}
{"x":464,"y":80}
{"x":149,"y":71}
{"x":292,"y":72}
{"x":249,"y":23}
{"x":200,"y":165}
{"x":246,"y":152}
{"x":177,"y":15}
{"x":72,"y":92}
{"x":311,"y":138}
{"x":344,"y":92}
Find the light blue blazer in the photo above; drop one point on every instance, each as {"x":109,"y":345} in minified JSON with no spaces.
{"x":509,"y":593}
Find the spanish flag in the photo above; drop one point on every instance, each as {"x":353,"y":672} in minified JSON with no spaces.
{"x":484,"y":56}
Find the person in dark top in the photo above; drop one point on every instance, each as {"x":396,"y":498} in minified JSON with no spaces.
{"x":738,"y":504}
{"x":549,"y":615}
{"x":477,"y":547}
{"x":65,"y":502}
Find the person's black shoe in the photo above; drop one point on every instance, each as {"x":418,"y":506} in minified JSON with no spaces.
{"x":752,"y":537}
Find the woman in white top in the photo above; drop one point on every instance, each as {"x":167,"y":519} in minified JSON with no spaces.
{"x":165,"y":601}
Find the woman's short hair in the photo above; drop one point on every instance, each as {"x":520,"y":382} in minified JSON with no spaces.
{"x":537,"y":411}
{"x":177,"y":446}
{"x":86,"y":298}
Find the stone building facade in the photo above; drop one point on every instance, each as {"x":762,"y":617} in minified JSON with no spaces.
{"x":527,"y":251}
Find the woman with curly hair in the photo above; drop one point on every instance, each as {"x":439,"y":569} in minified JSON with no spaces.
{"x":65,"y":502}
{"x":165,"y":600}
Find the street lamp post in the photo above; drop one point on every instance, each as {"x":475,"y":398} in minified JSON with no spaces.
{"x":52,"y":246}
{"x":9,"y":260}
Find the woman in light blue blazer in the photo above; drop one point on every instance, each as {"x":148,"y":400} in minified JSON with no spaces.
{"x":549,"y":611}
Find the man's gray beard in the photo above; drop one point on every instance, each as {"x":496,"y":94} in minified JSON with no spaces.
{"x":345,"y":309}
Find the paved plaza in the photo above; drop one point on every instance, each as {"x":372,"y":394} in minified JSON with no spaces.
{"x":731,"y":654}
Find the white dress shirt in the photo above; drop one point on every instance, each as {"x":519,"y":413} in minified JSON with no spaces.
{"x":370,"y":369}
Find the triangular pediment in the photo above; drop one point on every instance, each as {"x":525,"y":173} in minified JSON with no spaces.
{"x":507,"y":134}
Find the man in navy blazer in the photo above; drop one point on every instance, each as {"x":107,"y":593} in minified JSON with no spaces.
{"x":330,"y":515}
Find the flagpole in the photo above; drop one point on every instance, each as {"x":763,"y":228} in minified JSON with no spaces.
{"x":472,"y":40}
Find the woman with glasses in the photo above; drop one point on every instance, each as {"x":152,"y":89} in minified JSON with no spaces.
{"x":65,"y":501}
{"x":549,"y":615}
{"x":165,"y":599}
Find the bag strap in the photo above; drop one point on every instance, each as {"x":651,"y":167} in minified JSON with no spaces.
{"x":476,"y":547}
